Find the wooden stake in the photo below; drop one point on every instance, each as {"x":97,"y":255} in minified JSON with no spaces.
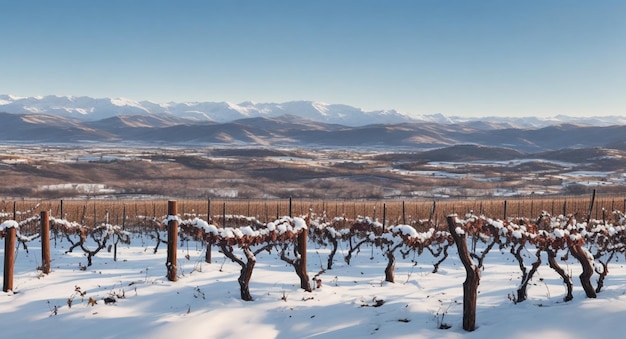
{"x":504,"y":210}
{"x":9,"y":258}
{"x":172,"y":240}
{"x":593,"y":198}
{"x":207,"y":255}
{"x":45,"y":242}
{"x":302,"y":239}
{"x":384,"y":214}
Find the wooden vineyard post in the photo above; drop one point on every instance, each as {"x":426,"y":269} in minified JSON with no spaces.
{"x":208,"y":210}
{"x":123,"y":228}
{"x":374,"y":217}
{"x":302,"y":239}
{"x":593,"y":198}
{"x":45,"y":242}
{"x":207,"y":255}
{"x":172,"y":240}
{"x":224,"y":215}
{"x":432,"y":211}
{"x":384,"y":214}
{"x":403,"y":214}
{"x":472,"y":278}
{"x":9,"y":258}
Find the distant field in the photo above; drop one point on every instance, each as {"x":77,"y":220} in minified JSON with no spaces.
{"x":458,"y":172}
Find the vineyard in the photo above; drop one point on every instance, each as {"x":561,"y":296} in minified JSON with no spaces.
{"x":92,"y":212}
{"x":447,"y":256}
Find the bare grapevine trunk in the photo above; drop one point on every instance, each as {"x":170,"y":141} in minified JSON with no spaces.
{"x":557,"y":268}
{"x":333,"y":251}
{"x":300,"y":268}
{"x":246,"y":275}
{"x":207,"y":255}
{"x":585,"y":277}
{"x":246,"y":269}
{"x":472,"y":278}
{"x":443,"y":258}
{"x":526,"y":275}
{"x":391,"y":264}
{"x":604,"y":272}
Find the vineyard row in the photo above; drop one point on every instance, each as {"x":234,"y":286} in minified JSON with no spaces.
{"x":593,"y":242}
{"x":93,"y":212}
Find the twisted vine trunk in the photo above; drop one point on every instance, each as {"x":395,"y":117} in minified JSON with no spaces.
{"x":585,"y":277}
{"x":333,"y":251}
{"x":472,"y":278}
{"x":207,"y":255}
{"x":604,"y":273}
{"x":443,"y":258}
{"x":305,"y":284}
{"x":92,"y":253}
{"x":246,"y":269}
{"x":391,"y":264}
{"x":526,"y":275}
{"x":566,"y":278}
{"x":246,"y":275}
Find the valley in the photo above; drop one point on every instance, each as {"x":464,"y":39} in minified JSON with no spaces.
{"x":118,"y":171}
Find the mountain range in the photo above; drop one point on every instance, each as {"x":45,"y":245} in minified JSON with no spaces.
{"x":92,"y":109}
{"x":295,"y":124}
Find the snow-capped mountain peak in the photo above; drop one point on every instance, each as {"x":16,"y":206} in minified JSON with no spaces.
{"x":91,"y":109}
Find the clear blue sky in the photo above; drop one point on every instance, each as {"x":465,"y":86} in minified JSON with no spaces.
{"x":466,"y":58}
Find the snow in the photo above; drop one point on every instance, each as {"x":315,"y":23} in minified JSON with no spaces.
{"x":199,"y":223}
{"x":171,"y":218}
{"x":299,"y":224}
{"x":406,"y":230}
{"x":205,"y":303}
{"x":126,"y":102}
{"x":9,"y":224}
{"x":91,"y":109}
{"x":247,"y":230}
{"x":559,"y":233}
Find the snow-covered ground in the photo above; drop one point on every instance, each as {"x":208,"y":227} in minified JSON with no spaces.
{"x":353,"y":301}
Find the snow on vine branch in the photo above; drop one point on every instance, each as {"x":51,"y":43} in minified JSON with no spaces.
{"x":251,"y":240}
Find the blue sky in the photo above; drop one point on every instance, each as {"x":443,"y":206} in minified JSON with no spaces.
{"x":465,"y":58}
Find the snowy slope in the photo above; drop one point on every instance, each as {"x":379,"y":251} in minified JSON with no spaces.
{"x":205,"y":302}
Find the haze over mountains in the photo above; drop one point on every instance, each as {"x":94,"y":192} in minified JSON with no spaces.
{"x":54,"y":119}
